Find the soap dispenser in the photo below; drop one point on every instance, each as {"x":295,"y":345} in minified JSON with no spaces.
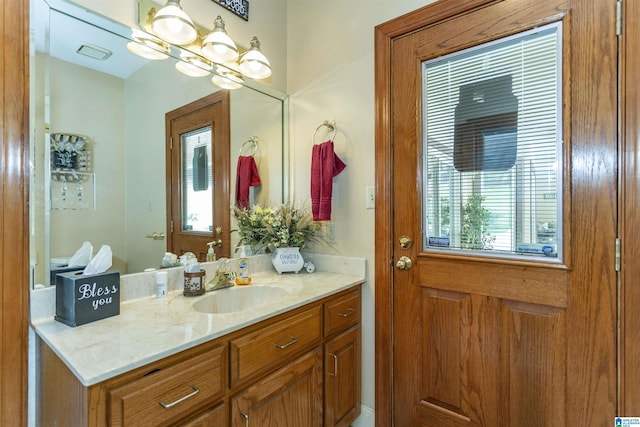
{"x":211,"y":255}
{"x":244,"y":275}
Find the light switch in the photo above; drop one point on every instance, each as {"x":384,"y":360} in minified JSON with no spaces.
{"x":370,"y":201}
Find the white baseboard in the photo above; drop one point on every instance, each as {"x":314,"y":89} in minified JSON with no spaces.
{"x":366,"y":418}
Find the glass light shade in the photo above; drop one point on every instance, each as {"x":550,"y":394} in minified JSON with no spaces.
{"x":172,"y":25}
{"x":218,"y":46}
{"x":227,"y":80}
{"x":147,"y":46}
{"x":253,"y":63}
{"x":193,"y":66}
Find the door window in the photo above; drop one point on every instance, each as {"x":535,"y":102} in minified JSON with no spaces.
{"x":493,"y":147}
{"x":197,"y":184}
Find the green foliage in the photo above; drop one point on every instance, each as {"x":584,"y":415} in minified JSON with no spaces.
{"x":475,"y":219}
{"x":267,"y":228}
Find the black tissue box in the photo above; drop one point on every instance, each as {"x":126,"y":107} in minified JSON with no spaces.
{"x":82,"y":298}
{"x":53,"y":276}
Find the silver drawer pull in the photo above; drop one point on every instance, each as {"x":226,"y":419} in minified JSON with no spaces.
{"x":335,"y":365}
{"x":292,"y":342}
{"x":246,"y":418}
{"x":195,"y":391}
{"x":348,"y":313}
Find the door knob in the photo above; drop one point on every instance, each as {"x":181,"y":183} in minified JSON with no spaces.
{"x":155,"y":236}
{"x":404,"y":263}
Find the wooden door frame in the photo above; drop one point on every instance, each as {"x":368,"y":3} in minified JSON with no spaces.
{"x":585,"y":397}
{"x":629,"y":359}
{"x":14,"y":215}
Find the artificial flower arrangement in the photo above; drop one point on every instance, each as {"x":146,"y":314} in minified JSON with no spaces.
{"x":266,"y":228}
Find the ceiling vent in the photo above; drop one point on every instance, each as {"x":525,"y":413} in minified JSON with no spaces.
{"x":95,"y":52}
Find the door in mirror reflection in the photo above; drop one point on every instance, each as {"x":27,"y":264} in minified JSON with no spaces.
{"x":198,"y":176}
{"x":196,"y":169}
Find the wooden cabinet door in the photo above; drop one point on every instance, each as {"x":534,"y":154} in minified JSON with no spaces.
{"x":342,"y":378}
{"x":214,"y":417}
{"x":289,"y":397}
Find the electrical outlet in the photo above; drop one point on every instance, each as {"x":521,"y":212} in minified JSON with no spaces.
{"x":370,"y":198}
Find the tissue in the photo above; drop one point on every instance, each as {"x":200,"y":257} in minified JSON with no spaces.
{"x":82,"y":256}
{"x":192,"y":266}
{"x":101,"y":262}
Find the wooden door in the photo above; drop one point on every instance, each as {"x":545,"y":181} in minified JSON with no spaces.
{"x":206,"y":181}
{"x":465,"y":339}
{"x":290,"y":397}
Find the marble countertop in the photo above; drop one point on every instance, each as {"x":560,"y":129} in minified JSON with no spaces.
{"x":149,"y":328}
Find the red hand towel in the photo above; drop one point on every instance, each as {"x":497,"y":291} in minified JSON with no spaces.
{"x":325,"y":164}
{"x":246,"y":176}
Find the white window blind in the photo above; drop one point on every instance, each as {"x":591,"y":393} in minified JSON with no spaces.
{"x":197,"y":180}
{"x":492,"y":147}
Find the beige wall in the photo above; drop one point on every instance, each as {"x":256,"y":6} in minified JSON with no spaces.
{"x":85,"y":102}
{"x":330,"y":56}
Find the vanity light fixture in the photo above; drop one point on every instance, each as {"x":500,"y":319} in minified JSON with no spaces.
{"x":173,"y":25}
{"x":227,"y":79}
{"x":253,"y":63}
{"x":174,"y":29}
{"x":193,"y":65}
{"x":148,"y":46}
{"x":218,"y":46}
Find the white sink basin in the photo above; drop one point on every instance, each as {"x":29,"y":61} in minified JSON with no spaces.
{"x":239,"y":298}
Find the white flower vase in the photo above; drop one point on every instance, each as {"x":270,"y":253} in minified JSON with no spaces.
{"x":287,"y":259}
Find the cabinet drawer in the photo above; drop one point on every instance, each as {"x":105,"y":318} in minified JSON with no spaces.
{"x":342,"y":313}
{"x":165,"y":396}
{"x":271,"y":345}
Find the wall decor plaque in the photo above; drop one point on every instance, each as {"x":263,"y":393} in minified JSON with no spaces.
{"x":238,"y":7}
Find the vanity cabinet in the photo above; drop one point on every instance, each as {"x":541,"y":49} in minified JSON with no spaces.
{"x":299,"y":368}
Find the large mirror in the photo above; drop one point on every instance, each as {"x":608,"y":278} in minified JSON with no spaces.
{"x":116,"y":195}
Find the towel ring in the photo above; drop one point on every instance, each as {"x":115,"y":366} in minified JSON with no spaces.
{"x":251,"y":146}
{"x":331,"y":125}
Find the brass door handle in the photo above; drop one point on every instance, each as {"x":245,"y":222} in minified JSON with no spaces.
{"x":406,"y":242}
{"x":404,"y":263}
{"x":155,"y":236}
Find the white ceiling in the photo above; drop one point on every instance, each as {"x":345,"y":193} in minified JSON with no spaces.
{"x":66,"y":34}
